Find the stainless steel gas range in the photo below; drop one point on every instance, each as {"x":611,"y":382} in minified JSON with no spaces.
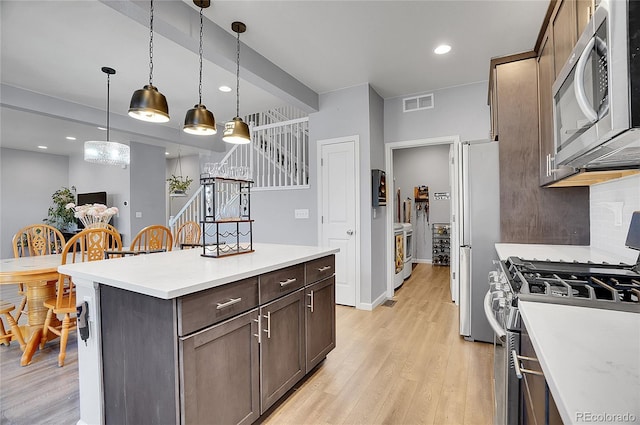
{"x":594,"y":285}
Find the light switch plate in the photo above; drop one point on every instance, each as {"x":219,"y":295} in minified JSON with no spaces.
{"x":301,"y":213}
{"x":138,"y":214}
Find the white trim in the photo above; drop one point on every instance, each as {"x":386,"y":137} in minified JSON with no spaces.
{"x":423,"y":260}
{"x":279,"y":124}
{"x":370,"y":306}
{"x":355,"y":139}
{"x":271,"y":188}
{"x":389,"y":148}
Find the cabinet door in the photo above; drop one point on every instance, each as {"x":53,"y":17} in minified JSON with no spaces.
{"x":282,"y":347}
{"x":546,"y":76}
{"x":219,"y":373}
{"x":320,"y":321}
{"x":584,"y":11}
{"x":533,"y":387}
{"x":563,"y":25}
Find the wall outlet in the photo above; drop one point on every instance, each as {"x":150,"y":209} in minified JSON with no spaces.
{"x":138,"y":214}
{"x":301,"y":213}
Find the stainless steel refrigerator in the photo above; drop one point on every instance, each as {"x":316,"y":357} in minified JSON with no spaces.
{"x":480,"y":209}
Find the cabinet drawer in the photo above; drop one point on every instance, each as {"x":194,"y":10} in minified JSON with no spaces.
{"x":281,"y":282}
{"x":319,"y":269}
{"x":202,"y":309}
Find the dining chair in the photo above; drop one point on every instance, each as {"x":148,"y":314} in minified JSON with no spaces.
{"x":5,"y":337}
{"x":32,"y":240}
{"x":152,"y":237}
{"x":88,"y":245}
{"x":188,"y":233}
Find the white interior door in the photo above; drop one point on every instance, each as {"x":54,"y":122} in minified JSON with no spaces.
{"x":339,"y":196}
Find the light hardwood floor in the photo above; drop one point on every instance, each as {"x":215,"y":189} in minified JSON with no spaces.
{"x":404,"y":364}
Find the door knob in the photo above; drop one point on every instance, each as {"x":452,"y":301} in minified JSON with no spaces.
{"x":349,"y":232}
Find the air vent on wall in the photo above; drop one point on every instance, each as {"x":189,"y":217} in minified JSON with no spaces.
{"x":417,"y":103}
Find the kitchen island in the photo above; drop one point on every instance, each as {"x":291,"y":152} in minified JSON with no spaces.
{"x":175,"y":337}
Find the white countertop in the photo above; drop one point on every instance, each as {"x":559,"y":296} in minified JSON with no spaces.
{"x":555,"y":253}
{"x":590,"y":358}
{"x":172,"y":274}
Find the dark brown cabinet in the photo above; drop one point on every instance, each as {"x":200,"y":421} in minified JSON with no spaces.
{"x":220,"y":373}
{"x":320,"y":321}
{"x":584,"y":12}
{"x":538,"y":406}
{"x":282,"y":361}
{"x":530,"y":213}
{"x":564,"y":32}
{"x":219,"y":356}
{"x":546,"y":76}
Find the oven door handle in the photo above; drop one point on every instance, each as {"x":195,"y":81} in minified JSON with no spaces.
{"x":488,"y":311}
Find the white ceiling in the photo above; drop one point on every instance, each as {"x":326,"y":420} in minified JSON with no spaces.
{"x":56,"y":48}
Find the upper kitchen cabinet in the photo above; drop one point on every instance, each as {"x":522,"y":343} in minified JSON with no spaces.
{"x":584,"y":12}
{"x":546,"y":76}
{"x":530,"y":213}
{"x":564,"y":32}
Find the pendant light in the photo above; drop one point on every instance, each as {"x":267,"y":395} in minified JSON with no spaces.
{"x":148,"y":104}
{"x":236,"y":131}
{"x":106,"y":152}
{"x":199,"y":120}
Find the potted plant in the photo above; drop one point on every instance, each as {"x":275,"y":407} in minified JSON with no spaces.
{"x":179,"y":185}
{"x":59,"y":216}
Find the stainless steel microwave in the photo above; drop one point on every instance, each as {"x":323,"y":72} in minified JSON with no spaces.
{"x":596,"y":96}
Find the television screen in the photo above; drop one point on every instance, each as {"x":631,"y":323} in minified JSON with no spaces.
{"x":91,"y":198}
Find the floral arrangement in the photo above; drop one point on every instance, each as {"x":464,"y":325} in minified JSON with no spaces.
{"x":92,"y":215}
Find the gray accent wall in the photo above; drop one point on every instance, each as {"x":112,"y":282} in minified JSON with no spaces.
{"x":428,"y":166}
{"x":27,"y":181}
{"x":147,"y":186}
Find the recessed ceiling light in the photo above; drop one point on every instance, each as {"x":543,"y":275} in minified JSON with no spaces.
{"x":225,"y":89}
{"x":102,"y":128}
{"x":42,"y":147}
{"x":166,"y":153}
{"x":442,"y":49}
{"x":70,"y":138}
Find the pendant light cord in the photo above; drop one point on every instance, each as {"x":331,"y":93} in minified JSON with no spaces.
{"x":151,"y":45}
{"x":108,"y":86}
{"x":238,"y":77}
{"x":200,"y":52}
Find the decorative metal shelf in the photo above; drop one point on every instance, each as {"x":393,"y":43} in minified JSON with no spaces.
{"x":226,"y":225}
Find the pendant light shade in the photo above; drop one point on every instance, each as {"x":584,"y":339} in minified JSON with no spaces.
{"x":148,"y":104}
{"x":199,"y":120}
{"x":236,"y":131}
{"x":106,"y":152}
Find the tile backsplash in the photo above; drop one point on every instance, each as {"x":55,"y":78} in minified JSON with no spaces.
{"x":611,"y":205}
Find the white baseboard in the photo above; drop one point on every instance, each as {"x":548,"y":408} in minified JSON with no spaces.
{"x":423,"y":260}
{"x":369,"y":307}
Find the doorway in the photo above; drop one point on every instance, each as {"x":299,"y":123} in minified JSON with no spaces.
{"x":454,"y":172}
{"x":339,"y":206}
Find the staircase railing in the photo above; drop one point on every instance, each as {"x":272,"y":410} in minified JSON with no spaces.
{"x":277,"y":157}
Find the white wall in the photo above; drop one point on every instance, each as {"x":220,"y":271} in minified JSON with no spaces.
{"x":428,"y":166}
{"x":89,"y":177}
{"x":604,"y":200}
{"x":27,"y":181}
{"x":190,"y":166}
{"x":460,"y":110}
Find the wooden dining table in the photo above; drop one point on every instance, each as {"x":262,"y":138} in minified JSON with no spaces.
{"x":39,"y":274}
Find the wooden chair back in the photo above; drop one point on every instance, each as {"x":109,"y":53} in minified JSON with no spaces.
{"x":188,"y":233}
{"x":88,"y":245}
{"x":37,"y":239}
{"x":151,"y":238}
{"x":103,"y":225}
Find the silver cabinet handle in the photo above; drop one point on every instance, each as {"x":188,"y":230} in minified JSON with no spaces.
{"x":520,"y":370}
{"x":311,"y":305}
{"x":259,"y":321}
{"x":349,"y":232}
{"x":324,"y":269}
{"x":268,"y":330}
{"x":232,"y":301}
{"x":288,"y":281}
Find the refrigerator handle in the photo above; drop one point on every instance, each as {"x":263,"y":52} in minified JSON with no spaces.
{"x":465,"y":290}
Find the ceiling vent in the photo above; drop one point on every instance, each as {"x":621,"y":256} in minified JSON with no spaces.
{"x":417,"y":103}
